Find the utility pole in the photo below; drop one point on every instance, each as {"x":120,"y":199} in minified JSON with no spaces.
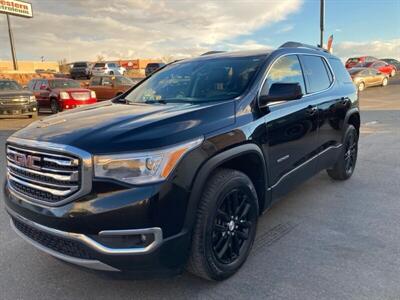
{"x":322,"y":22}
{"x":10,"y":34}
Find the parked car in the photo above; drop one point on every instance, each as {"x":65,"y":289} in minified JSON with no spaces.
{"x":81,"y":70}
{"x":178,"y":172}
{"x":366,"y":77}
{"x":353,"y":61}
{"x":14,"y":100}
{"x":109,"y":86}
{"x":102,"y":68}
{"x":381,"y":66}
{"x":152,"y":67}
{"x":393,"y":62}
{"x":59,"y":94}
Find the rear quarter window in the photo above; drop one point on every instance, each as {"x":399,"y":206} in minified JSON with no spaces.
{"x":341,"y":74}
{"x":315,"y":73}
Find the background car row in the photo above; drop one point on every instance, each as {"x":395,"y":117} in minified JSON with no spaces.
{"x":87,"y":70}
{"x":369,"y":71}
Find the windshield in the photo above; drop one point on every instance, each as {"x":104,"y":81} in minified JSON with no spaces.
{"x":9,"y":85}
{"x":99,"y":65}
{"x":80,"y":65}
{"x":353,"y":59}
{"x":198,"y":81}
{"x":64,"y":84}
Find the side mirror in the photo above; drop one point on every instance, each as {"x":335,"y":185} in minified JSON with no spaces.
{"x":281,"y":92}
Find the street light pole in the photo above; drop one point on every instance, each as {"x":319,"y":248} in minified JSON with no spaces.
{"x":10,"y":34}
{"x":322,"y":22}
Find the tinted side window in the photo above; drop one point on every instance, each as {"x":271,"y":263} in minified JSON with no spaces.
{"x":315,"y":73}
{"x":95,"y":81}
{"x":286,"y":69}
{"x":107,"y":81}
{"x":340,"y":71}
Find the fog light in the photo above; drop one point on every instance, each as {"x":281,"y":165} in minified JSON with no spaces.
{"x":125,"y":241}
{"x":34,"y":109}
{"x":66,"y":106}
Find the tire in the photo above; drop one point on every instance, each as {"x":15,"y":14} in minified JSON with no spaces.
{"x":55,"y":108}
{"x":384,"y":81}
{"x":111,"y":72}
{"x":225,"y":226}
{"x":344,"y":167}
{"x":361,"y":86}
{"x":392,"y":73}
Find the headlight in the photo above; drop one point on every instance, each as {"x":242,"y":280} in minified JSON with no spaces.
{"x":64,"y":95}
{"x":92,"y":94}
{"x":32,"y":99}
{"x":146,"y":167}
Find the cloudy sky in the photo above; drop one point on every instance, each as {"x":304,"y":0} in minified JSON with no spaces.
{"x":83,"y":29}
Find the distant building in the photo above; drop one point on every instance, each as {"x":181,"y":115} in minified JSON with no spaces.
{"x":28,"y":66}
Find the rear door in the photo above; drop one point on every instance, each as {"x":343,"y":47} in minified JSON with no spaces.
{"x":291,"y":129}
{"x":332,"y":87}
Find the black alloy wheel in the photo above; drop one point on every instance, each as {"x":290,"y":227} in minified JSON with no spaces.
{"x":346,"y":163}
{"x":350,"y":154}
{"x":232,"y":226}
{"x":225,"y":225}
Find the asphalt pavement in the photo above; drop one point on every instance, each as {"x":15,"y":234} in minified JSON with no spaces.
{"x":325,"y":240}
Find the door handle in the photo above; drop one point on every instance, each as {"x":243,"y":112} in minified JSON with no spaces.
{"x":311,"y":110}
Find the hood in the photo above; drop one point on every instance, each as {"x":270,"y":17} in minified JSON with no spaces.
{"x":109,"y":127}
{"x":10,"y":93}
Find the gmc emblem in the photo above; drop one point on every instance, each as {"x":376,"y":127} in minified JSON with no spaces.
{"x":27,"y":161}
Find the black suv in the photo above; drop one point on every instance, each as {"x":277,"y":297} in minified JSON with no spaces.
{"x":175,"y":172}
{"x":14,"y":100}
{"x":81,"y":70}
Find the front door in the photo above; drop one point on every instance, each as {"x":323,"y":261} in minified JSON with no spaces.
{"x":291,"y":130}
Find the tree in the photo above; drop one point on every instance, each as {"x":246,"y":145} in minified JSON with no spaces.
{"x":100,"y":58}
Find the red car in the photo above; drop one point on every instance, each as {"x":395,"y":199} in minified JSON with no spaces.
{"x":353,"y":61}
{"x":59,"y":94}
{"x":381,"y":66}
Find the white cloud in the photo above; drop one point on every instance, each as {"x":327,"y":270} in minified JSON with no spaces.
{"x":80,"y":30}
{"x":379,"y":49}
{"x":286,"y":28}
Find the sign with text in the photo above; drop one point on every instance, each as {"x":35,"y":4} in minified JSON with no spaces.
{"x":16,"y":8}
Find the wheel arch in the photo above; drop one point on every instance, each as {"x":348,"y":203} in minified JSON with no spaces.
{"x":247,"y":158}
{"x":353,"y":118}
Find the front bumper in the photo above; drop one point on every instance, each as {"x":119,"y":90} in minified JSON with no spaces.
{"x":25,"y":109}
{"x":92,"y":238}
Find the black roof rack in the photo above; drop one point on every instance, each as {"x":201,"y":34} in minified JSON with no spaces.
{"x":301,"y":45}
{"x":212,"y":52}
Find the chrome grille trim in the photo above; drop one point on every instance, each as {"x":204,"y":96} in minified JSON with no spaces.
{"x":72,"y":177}
{"x":64,"y":163}
{"x":54,"y":192}
{"x":81,"y":179}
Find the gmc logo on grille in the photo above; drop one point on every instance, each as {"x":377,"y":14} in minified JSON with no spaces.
{"x":27,"y":161}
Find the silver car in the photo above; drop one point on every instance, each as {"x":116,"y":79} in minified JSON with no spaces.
{"x":103,"y":68}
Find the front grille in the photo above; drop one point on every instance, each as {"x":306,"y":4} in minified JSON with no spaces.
{"x":12,"y":101}
{"x":43,"y":176}
{"x":81,"y":95}
{"x":53,"y":242}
